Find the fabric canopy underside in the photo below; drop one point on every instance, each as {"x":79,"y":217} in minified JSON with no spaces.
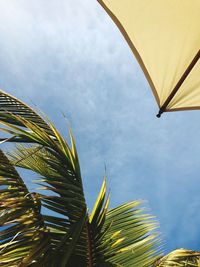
{"x":165,"y":38}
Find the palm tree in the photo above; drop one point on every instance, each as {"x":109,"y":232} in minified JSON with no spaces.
{"x":53,"y":227}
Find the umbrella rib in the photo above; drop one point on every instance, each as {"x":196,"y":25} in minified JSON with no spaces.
{"x":178,"y":85}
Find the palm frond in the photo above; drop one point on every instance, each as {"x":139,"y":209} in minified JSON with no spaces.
{"x":22,"y":228}
{"x":58,"y":167}
{"x":180,"y":258}
{"x":119,"y":237}
{"x":129,"y":238}
{"x":11,"y":105}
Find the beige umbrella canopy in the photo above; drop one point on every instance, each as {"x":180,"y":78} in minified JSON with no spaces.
{"x":164,"y":35}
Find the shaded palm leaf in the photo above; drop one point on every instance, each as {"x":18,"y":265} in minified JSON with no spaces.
{"x":22,"y":228}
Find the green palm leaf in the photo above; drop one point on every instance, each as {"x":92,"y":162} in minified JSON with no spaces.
{"x":11,"y":105}
{"x":122,"y":236}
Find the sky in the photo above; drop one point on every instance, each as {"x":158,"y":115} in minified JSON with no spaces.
{"x":68,"y":57}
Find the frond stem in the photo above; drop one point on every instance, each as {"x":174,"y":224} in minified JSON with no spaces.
{"x":90,"y":245}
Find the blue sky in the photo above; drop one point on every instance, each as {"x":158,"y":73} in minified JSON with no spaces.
{"x":68,"y":57}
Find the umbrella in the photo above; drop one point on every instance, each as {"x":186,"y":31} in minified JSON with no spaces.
{"x":164,"y":36}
